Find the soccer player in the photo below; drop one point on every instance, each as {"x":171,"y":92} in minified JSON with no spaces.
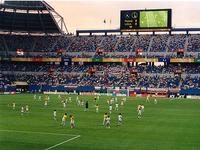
{"x":34,"y":97}
{"x":39,"y":97}
{"x":116,"y":100}
{"x":112,"y":101}
{"x":22,"y":110}
{"x":108,"y":101}
{"x":64,"y":104}
{"x":59,"y":96}
{"x":77,"y":100}
{"x":48,"y":97}
{"x":110,"y":108}
{"x":104,"y":119}
{"x":108,"y":122}
{"x":147,"y":99}
{"x":139,"y":109}
{"x":72,"y":123}
{"x":119,"y":119}
{"x":97,"y":108}
{"x":142,"y":108}
{"x":27,"y":108}
{"x":54,"y":115}
{"x":95,"y":99}
{"x":124,"y":99}
{"x":155,"y":101}
{"x":82,"y":102}
{"x":116,"y":106}
{"x":45,"y":102}
{"x":64,"y":119}
{"x":13,"y":105}
{"x":70,"y":99}
{"x":86,"y":106}
{"x":122,"y":102}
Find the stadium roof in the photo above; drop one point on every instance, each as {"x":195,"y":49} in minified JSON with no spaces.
{"x":105,"y":31}
{"x":25,"y":5}
{"x":30,"y":17}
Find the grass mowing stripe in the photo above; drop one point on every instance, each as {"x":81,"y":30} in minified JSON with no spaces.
{"x":63,"y":142}
{"x":37,"y":132}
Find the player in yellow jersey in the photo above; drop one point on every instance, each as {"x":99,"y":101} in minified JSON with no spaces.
{"x":72,"y":123}
{"x":27,"y":108}
{"x":147,"y":98}
{"x":104,"y":119}
{"x":97,"y":108}
{"x":13,"y":105}
{"x":45,"y":102}
{"x":64,"y":119}
{"x":139,"y":109}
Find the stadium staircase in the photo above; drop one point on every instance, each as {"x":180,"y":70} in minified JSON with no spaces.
{"x":6,"y":46}
{"x":131,"y":52}
{"x":33,"y":47}
{"x":150,"y":44}
{"x":186,"y":43}
{"x":167,"y":45}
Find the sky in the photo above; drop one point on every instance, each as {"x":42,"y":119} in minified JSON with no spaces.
{"x":91,"y":14}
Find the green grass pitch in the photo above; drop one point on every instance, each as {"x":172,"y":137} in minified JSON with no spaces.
{"x":167,"y":125}
{"x":149,"y":19}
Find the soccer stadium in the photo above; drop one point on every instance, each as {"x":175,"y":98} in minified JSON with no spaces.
{"x":136,"y":87}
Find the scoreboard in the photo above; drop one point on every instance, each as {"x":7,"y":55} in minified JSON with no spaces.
{"x":145,"y":19}
{"x":130,"y":19}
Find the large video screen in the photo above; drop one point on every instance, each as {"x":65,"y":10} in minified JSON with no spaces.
{"x":145,"y":19}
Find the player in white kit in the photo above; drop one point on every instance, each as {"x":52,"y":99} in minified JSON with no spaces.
{"x":77,"y":101}
{"x":54,"y":115}
{"x":116,"y":100}
{"x":139,"y":109}
{"x":110,"y":109}
{"x":45,"y":103}
{"x":64,"y":104}
{"x":22,"y":110}
{"x":70,"y":99}
{"x":27,"y":108}
{"x":108,"y":122}
{"x":119,"y":119}
{"x":116,"y":106}
{"x":34,"y":97}
{"x":155,"y":101}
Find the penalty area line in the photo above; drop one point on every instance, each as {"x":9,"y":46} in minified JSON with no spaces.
{"x":63,"y":142}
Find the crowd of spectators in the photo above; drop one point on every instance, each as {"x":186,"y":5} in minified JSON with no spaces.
{"x":191,"y":83}
{"x":177,"y":42}
{"x":106,"y":44}
{"x":194,"y":43}
{"x":103,"y":74}
{"x":159,"y":43}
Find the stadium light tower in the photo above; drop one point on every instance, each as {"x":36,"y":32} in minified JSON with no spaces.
{"x":57,"y":17}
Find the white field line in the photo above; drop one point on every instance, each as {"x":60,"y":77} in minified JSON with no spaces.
{"x":62,"y":142}
{"x":48,"y":133}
